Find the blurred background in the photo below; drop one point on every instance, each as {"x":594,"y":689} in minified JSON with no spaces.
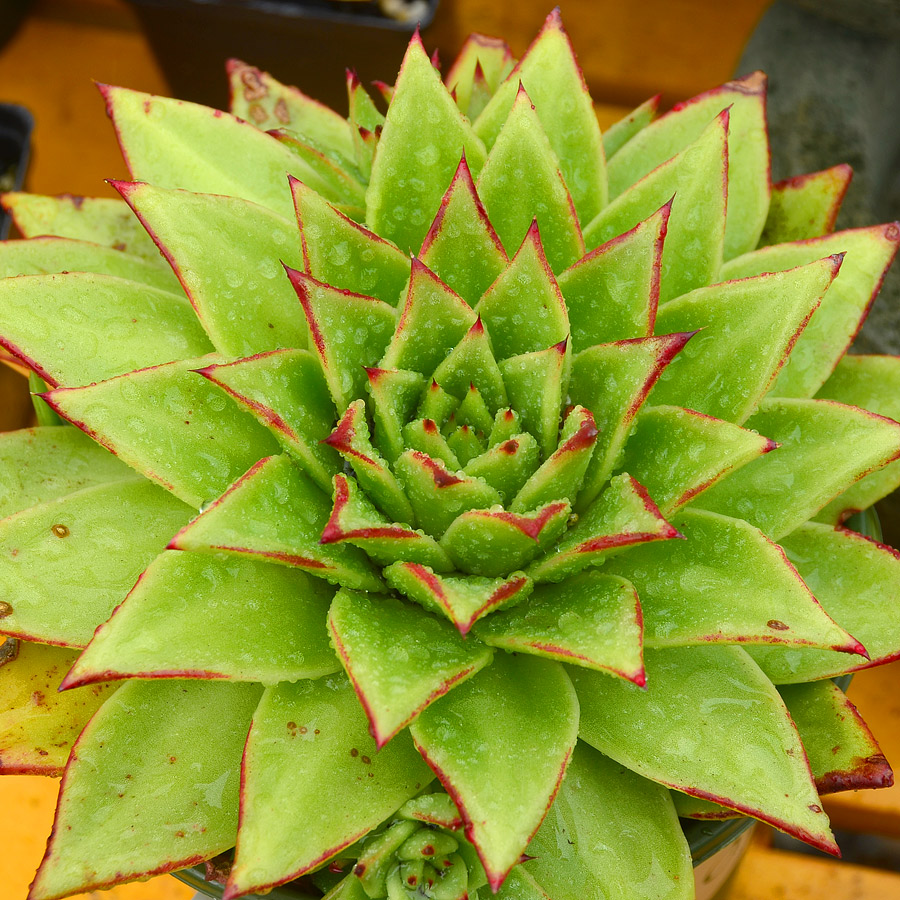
{"x":834,"y":68}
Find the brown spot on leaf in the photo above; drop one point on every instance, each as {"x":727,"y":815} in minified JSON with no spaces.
{"x":60,"y":530}
{"x":281,"y":111}
{"x":367,"y":761}
{"x":179,"y":834}
{"x":5,"y":609}
{"x":777,"y":625}
{"x":258,"y":114}
{"x":354,"y":752}
{"x":172,"y":760}
{"x":37,"y":698}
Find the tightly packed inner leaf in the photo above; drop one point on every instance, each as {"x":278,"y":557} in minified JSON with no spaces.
{"x":444,"y":493}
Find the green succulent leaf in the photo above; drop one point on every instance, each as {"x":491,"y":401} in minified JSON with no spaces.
{"x":38,"y":725}
{"x":504,"y":765}
{"x":610,"y":827}
{"x":678,"y":453}
{"x":41,"y":464}
{"x":72,"y":546}
{"x":400,"y":205}
{"x":338,"y":251}
{"x":749,"y":328}
{"x":462,"y":247}
{"x":692,"y":254}
{"x":613,"y":292}
{"x":274,"y":513}
{"x":424,"y":436}
{"x":591,"y":620}
{"x":100,"y":220}
{"x":805,"y":206}
{"x":462,"y":599}
{"x":285,"y":391}
{"x":399,"y":658}
{"x":521,"y":183}
{"x":205,"y":150}
{"x":621,"y":516}
{"x":193,"y":615}
{"x":620,"y":133}
{"x":813,"y":464}
{"x":467,"y":444}
{"x":112,"y":326}
{"x":260,"y":99}
{"x":759,"y":598}
{"x":188,"y":436}
{"x":235,"y":282}
{"x":507,"y":466}
{"x":482,"y":63}
{"x":748,"y":153}
{"x":394,"y":396}
{"x":856,"y":581}
{"x":493,"y":543}
{"x":152,"y":785}
{"x":309,"y":748}
{"x":53,"y":255}
{"x":843,"y":754}
{"x":549,"y":71}
{"x":872,"y":383}
{"x":672,"y":732}
{"x":832,"y":327}
{"x":613,"y":381}
{"x":471,"y":363}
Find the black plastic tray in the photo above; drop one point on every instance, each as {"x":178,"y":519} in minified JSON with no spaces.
{"x":16,"y":124}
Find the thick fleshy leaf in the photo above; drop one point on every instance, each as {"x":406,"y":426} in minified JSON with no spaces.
{"x":521,"y":182}
{"x":152,"y":785}
{"x":351,"y":439}
{"x":613,"y":292}
{"x":473,"y":411}
{"x":824,"y":447}
{"x":313,"y":783}
{"x":206,"y":150}
{"x":338,"y":251}
{"x":394,"y":395}
{"x":659,"y":734}
{"x":677,"y":453}
{"x":613,"y":381}
{"x":692,"y":255}
{"x":100,"y":220}
{"x":285,"y":391}
{"x":347,"y":332}
{"x":363,"y":111}
{"x":621,"y":516}
{"x":873,"y":383}
{"x":492,"y":544}
{"x":193,"y":615}
{"x":275,"y":513}
{"x":439,"y":405}
{"x":563,"y":473}
{"x":725,"y":583}
{"x":434,"y":320}
{"x":335,"y":176}
{"x":188,"y":437}
{"x":472,"y":363}
{"x":481,"y":55}
{"x":843,"y":754}
{"x":507,"y":424}
{"x":549,"y":71}
{"x":111,"y":326}
{"x":834,"y":324}
{"x":41,"y":464}
{"x":437,"y":495}
{"x":467,"y":443}
{"x":748,"y":153}
{"x":461,"y":245}
{"x":38,"y":725}
{"x":425,"y":436}
{"x":610,"y":827}
{"x":409,"y":176}
{"x":857,"y":581}
{"x":73,"y":547}
{"x":591,"y":620}
{"x":393,"y":687}
{"x":228,"y":255}
{"x":462,"y":599}
{"x":620,"y":133}
{"x":523,"y":309}
{"x":258,"y":98}
{"x":51,"y":255}
{"x":749,"y":328}
{"x":354,"y":519}
{"x":805,"y":206}
{"x":535,"y":382}
{"x":500,"y":744}
{"x":507,"y":466}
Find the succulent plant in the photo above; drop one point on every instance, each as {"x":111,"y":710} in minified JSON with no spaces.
{"x":463,"y":537}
